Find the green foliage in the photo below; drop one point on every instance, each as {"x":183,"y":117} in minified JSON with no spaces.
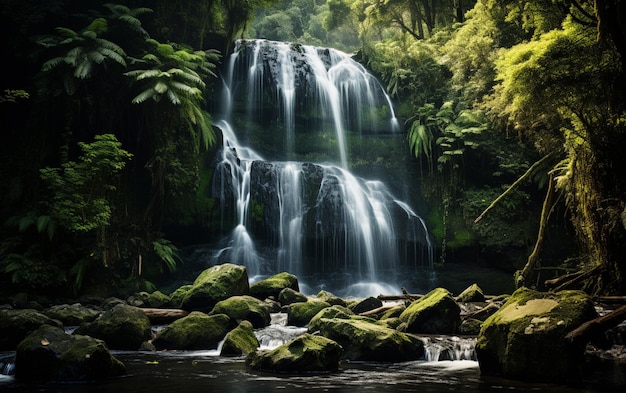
{"x":33,"y":273}
{"x":166,"y":251}
{"x":82,"y":189}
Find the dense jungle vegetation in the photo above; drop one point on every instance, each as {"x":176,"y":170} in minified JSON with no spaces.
{"x":514,"y":113}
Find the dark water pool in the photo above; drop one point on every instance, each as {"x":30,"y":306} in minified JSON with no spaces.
{"x":195,"y":371}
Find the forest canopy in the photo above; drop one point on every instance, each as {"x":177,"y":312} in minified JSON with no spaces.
{"x":107,"y":112}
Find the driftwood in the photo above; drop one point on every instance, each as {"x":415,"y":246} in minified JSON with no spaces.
{"x":376,"y":310}
{"x":568,"y":281}
{"x":164,"y":315}
{"x":610,"y":299}
{"x":404,"y":296}
{"x":589,"y":329}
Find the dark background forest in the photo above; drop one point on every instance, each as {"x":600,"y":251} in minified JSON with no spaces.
{"x":514,"y":115}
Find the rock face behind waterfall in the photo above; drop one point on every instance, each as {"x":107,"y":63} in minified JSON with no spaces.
{"x":525,"y":339}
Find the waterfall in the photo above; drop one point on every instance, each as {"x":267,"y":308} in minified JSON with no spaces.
{"x":300,"y":209}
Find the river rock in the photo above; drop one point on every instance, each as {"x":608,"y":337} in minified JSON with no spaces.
{"x":473,"y":293}
{"x":16,"y":324}
{"x":72,"y":314}
{"x":244,"y":307}
{"x":364,"y":340}
{"x":122,"y":327}
{"x":330,"y":298}
{"x":271,"y":286}
{"x":525,"y":339}
{"x":435,"y":313}
{"x":305,"y":353}
{"x":240,"y":341}
{"x":335,"y":311}
{"x":367,"y":304}
{"x":153,"y":299}
{"x":214,"y":284}
{"x":299,"y":314}
{"x":49,"y":354}
{"x":288,"y":296}
{"x":195,"y":331}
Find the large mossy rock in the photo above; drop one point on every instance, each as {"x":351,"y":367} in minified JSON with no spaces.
{"x":122,"y":327}
{"x":435,"y":313}
{"x":214,"y":284}
{"x":16,"y":324}
{"x":525,"y":339}
{"x":306,"y":353}
{"x":335,"y":311}
{"x":240,"y":308}
{"x":299,"y":314}
{"x":195,"y":331}
{"x":473,"y":293}
{"x":72,"y":314}
{"x":272,"y":286}
{"x":49,"y":354}
{"x":364,"y":340}
{"x":288,"y":296}
{"x":240,"y":341}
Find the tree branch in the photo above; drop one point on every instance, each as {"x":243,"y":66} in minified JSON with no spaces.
{"x":512,"y":187}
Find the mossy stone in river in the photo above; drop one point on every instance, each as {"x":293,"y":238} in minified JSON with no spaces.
{"x":473,"y":293}
{"x":525,"y":338}
{"x":335,"y":311}
{"x":244,"y":307}
{"x":240,"y":341}
{"x":16,"y":324}
{"x":195,"y":331}
{"x":435,"y":313}
{"x":368,"y":341}
{"x":122,"y":327}
{"x":49,"y":354}
{"x":272,"y":285}
{"x":214,"y":284}
{"x":306,"y":353}
{"x":288,"y":296}
{"x":72,"y":314}
{"x":299,"y":314}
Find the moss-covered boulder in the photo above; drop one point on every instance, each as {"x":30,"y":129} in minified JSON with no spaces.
{"x":470,"y":327}
{"x":177,"y":297}
{"x":473,"y":293}
{"x":330,"y":298}
{"x":49,"y":354}
{"x":365,"y":340}
{"x":335,"y":311}
{"x":214,"y":284}
{"x":240,"y":341}
{"x":288,"y":296}
{"x":272,"y":286}
{"x":435,"y":313}
{"x":306,"y":353}
{"x":525,"y":339}
{"x":245,"y":307}
{"x":195,"y":331}
{"x":122,"y":327}
{"x":367,"y":304}
{"x":72,"y":314}
{"x":153,"y":299}
{"x":16,"y":324}
{"x":299,"y":314}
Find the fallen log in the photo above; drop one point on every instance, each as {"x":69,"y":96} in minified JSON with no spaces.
{"x":376,"y":310}
{"x":404,"y":296}
{"x":585,"y":332}
{"x":164,"y":315}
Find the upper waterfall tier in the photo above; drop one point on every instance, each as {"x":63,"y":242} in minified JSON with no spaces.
{"x":302,"y":94}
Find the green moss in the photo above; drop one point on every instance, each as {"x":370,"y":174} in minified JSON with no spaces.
{"x":240,"y":341}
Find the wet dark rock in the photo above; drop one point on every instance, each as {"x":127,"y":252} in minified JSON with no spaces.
{"x":299,"y":314}
{"x":367,"y":340}
{"x":72,"y":314}
{"x":15,"y":325}
{"x":288,"y":296}
{"x":122,"y":327}
{"x":195,"y":331}
{"x":49,"y":354}
{"x":473,"y":293}
{"x":435,"y":313}
{"x":525,"y":338}
{"x":306,"y":353}
{"x":366,"y":304}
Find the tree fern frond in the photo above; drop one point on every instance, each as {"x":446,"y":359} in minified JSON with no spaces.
{"x":173,"y":97}
{"x":160,"y":87}
{"x":145,"y":95}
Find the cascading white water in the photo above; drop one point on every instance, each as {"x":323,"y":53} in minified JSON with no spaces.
{"x":308,"y":218}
